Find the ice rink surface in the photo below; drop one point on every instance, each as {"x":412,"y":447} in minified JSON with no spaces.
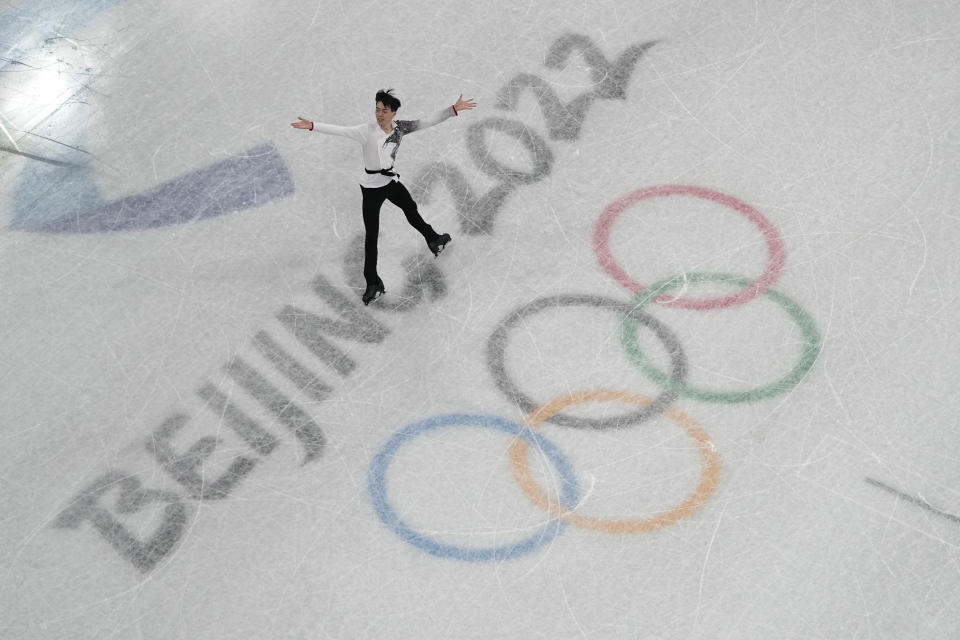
{"x":688,"y":369}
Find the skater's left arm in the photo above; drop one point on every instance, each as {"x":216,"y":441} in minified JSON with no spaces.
{"x":440,"y":116}
{"x":463,"y":105}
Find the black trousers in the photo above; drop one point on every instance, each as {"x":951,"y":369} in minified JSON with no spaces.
{"x":373,"y":199}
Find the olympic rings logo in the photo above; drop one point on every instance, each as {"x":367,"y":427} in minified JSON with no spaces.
{"x":562,"y":510}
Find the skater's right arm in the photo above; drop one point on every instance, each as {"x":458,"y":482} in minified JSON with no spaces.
{"x":355,"y":133}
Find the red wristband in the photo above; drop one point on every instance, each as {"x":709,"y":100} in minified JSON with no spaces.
{"x":455,"y":110}
{"x":311,"y":126}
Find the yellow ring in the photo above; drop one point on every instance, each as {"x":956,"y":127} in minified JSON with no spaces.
{"x":709,"y":462}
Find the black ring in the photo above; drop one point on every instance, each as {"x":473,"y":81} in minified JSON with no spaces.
{"x":497,"y":344}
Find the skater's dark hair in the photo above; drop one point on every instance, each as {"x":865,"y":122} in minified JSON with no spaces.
{"x":386,"y":97}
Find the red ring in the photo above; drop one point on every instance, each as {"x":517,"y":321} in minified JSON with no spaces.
{"x":775,"y":250}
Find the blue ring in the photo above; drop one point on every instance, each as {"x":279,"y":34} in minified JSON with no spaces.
{"x":377,"y":486}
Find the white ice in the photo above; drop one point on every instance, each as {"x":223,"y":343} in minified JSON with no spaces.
{"x":164,"y":473}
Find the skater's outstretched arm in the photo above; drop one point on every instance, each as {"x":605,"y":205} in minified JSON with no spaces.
{"x":355,"y":133}
{"x":409,"y":126}
{"x":463,"y":105}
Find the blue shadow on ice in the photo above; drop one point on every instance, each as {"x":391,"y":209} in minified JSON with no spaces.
{"x":239,"y":182}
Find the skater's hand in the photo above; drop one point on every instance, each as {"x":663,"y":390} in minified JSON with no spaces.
{"x":302,"y":123}
{"x":464,"y":105}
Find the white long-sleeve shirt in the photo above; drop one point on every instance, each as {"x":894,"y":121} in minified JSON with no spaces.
{"x":380,"y":149}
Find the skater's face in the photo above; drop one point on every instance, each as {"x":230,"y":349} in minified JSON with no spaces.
{"x":384,"y":116}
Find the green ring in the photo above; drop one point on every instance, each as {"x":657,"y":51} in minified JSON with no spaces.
{"x":628,"y":336}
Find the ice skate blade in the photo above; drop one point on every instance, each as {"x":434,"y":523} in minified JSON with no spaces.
{"x":439,"y":245}
{"x":372,"y":293}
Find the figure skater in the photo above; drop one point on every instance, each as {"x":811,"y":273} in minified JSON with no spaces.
{"x":379,"y":143}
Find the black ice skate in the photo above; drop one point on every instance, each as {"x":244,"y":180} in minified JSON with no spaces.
{"x":439,"y":244}
{"x":373,"y":292}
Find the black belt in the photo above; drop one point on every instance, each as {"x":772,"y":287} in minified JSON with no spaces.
{"x":385,"y":172}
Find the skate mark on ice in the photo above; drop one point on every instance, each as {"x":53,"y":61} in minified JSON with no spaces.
{"x":916,"y":500}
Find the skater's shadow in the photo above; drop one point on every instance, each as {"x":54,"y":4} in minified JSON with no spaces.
{"x":423,"y":279}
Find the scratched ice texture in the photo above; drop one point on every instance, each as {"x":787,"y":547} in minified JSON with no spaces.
{"x":688,"y":369}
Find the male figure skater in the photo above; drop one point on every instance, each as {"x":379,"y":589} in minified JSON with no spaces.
{"x":379,"y":143}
